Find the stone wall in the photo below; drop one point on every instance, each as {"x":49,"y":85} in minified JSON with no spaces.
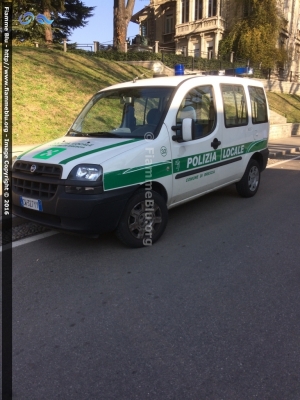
{"x":281,"y":86}
{"x":284,"y":130}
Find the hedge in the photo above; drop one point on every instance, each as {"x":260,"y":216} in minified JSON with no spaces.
{"x":170,"y":60}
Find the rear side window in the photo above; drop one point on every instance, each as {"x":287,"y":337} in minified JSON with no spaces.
{"x":258,"y":105}
{"x":198,"y":104}
{"x":235,"y":107}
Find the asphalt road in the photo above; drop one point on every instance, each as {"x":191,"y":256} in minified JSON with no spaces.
{"x":211,"y":311}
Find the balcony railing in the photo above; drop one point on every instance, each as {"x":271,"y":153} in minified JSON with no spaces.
{"x":200,"y":26}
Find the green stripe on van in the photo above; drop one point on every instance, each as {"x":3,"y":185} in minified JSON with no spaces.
{"x":23,"y":154}
{"x":212,"y":157}
{"x":97,"y":150}
{"x":131,"y":176}
{"x":144,"y":173}
{"x":256,"y":146}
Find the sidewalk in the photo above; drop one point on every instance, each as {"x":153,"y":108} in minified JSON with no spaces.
{"x":283,"y":146}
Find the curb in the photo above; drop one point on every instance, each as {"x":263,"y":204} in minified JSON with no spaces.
{"x":279,"y":153}
{"x":16,"y":221}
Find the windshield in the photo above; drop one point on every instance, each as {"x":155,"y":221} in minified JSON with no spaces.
{"x":124,"y":113}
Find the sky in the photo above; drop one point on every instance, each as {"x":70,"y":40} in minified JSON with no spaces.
{"x":100,"y":26}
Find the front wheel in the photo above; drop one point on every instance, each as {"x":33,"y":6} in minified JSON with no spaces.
{"x":248,"y":185}
{"x":144,"y":219}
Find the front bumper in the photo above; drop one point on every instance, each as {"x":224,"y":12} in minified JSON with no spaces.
{"x":85,"y":214}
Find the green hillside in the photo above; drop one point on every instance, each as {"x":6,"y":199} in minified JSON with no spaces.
{"x":50,"y":88}
{"x":287,"y":105}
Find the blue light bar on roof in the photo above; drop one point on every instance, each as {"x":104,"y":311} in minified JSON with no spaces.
{"x":240,"y":71}
{"x":244,"y":71}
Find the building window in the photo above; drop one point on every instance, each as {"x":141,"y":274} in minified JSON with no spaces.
{"x":212,"y":8}
{"x":144,"y":30}
{"x":169,"y":25}
{"x":297,"y":53}
{"x":198,"y":9}
{"x":185,"y":10}
{"x":247,"y":8}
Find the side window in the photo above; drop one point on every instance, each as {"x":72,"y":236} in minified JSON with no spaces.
{"x":235,"y":107}
{"x":258,"y":105}
{"x":198,"y":104}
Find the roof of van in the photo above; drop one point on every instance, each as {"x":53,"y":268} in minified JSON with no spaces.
{"x":174,"y":81}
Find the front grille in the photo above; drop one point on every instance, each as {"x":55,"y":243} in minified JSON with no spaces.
{"x":42,"y":183}
{"x":35,"y":189}
{"x":41,"y":169}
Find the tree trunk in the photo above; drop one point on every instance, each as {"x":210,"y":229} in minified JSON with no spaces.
{"x":122,"y":15}
{"x":48,"y":29}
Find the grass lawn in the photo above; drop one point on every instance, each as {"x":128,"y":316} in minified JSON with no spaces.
{"x":51,"y":87}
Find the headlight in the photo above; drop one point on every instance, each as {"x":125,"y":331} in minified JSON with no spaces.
{"x":86,"y":173}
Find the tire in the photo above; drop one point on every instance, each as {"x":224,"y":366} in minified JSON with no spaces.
{"x":143,"y":224}
{"x":249,"y":184}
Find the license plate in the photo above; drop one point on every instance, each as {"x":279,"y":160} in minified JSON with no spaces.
{"x":31,"y":203}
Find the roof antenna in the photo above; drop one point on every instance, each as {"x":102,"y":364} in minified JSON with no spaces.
{"x":137,"y":77}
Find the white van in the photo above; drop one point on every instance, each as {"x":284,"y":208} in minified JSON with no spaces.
{"x":140,"y":148}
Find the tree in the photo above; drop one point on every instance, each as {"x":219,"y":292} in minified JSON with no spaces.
{"x":66,"y":15}
{"x":122,"y":16}
{"x":47,"y":6}
{"x":255,"y":36}
{"x":74,"y":16}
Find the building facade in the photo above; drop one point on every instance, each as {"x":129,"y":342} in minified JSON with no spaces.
{"x":195,"y":27}
{"x":290,"y":36}
{"x":200,"y":25}
{"x":157,"y":23}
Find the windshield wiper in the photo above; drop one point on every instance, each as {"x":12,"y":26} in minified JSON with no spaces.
{"x":103,"y":134}
{"x":72,"y":132}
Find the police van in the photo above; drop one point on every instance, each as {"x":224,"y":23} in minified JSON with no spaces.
{"x":140,"y":148}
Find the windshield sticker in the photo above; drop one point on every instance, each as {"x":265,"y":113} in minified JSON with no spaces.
{"x":44,"y":155}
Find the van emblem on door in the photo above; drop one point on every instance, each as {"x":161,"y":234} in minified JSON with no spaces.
{"x":163,"y":151}
{"x":33,"y":168}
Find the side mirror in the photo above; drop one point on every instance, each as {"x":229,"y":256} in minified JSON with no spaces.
{"x":185,"y":131}
{"x":188,"y":129}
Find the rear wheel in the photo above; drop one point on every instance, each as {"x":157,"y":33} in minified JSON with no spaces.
{"x":144,"y":219}
{"x":248,"y":185}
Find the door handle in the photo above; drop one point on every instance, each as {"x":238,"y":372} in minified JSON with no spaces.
{"x":215,"y":143}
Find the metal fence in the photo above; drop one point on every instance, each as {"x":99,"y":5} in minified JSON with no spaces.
{"x":194,"y":61}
